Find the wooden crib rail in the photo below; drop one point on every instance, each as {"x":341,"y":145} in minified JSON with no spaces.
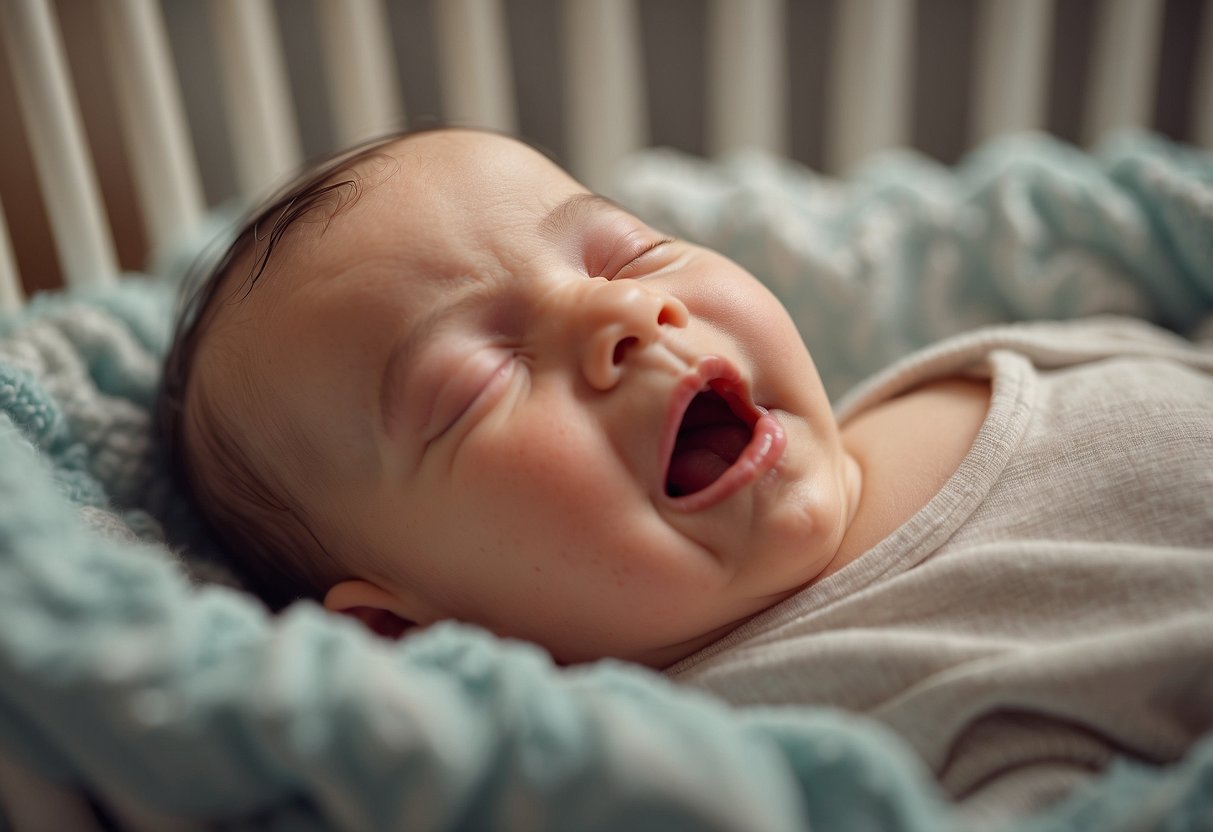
{"x":153,"y":119}
{"x":606,"y":104}
{"x":362,"y":83}
{"x":65,"y":171}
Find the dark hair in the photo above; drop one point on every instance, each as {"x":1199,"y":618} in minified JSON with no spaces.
{"x":269,"y":540}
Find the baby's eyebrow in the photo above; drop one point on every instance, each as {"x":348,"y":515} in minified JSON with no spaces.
{"x":569,"y":211}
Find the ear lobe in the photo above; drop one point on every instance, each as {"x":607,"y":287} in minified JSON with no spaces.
{"x":380,"y":610}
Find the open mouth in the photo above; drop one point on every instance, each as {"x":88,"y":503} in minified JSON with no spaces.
{"x":711,"y":438}
{"x":717,"y":441}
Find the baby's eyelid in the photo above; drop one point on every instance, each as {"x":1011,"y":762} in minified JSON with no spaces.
{"x":458,"y":422}
{"x":644,"y":252}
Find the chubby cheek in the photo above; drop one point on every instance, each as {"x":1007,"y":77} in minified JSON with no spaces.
{"x":766,"y":332}
{"x":567,"y":518}
{"x":722,"y":294}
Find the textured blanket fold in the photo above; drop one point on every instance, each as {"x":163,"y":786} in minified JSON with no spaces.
{"x":137,"y":671}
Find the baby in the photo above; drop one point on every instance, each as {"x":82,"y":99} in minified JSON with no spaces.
{"x":439,"y":379}
{"x":478,"y":391}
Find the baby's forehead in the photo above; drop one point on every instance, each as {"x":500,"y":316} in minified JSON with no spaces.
{"x":434,"y":203}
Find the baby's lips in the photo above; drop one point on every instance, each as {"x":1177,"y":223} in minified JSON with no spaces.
{"x":763,"y":453}
{"x":706,"y":370}
{"x":767,"y":440}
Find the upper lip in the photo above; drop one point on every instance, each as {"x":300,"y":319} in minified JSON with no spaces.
{"x":713,"y":373}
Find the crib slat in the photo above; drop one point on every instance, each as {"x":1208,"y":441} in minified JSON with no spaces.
{"x":69,"y":182}
{"x":11,"y":295}
{"x":747,"y":92}
{"x":1124,"y":66}
{"x":261,"y":112}
{"x":869,"y":88}
{"x":603,"y":97}
{"x":473,"y":64}
{"x":362,"y":83}
{"x":1202,"y":88}
{"x":153,"y":119}
{"x":1013,"y":43}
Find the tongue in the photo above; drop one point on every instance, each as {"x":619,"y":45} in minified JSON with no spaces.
{"x":702,"y":455}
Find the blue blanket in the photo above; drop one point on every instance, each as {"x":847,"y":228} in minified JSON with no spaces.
{"x":133,"y":666}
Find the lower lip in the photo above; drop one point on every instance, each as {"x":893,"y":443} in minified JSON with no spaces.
{"x":761,"y":455}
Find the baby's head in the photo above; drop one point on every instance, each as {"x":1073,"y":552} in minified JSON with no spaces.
{"x":462,"y":386}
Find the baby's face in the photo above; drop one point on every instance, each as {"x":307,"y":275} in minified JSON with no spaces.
{"x":491,"y":375}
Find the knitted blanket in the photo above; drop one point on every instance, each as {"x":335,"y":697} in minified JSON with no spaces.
{"x":133,"y":668}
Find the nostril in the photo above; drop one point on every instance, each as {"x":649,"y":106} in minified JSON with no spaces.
{"x":622,"y":347}
{"x":672,"y":313}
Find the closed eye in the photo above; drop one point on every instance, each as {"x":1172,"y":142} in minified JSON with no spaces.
{"x":633,"y":265}
{"x":468,"y":394}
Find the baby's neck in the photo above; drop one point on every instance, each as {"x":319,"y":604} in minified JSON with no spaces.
{"x":907,"y":448}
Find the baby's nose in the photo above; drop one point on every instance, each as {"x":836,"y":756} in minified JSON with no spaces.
{"x":619,"y":320}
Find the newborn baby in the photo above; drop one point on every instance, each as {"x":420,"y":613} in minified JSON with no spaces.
{"x":464,"y":387}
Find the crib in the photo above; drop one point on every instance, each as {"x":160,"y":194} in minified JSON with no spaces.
{"x":216,"y":100}
{"x":133,"y":123}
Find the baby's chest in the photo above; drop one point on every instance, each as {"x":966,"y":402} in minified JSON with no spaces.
{"x":1118,"y":452}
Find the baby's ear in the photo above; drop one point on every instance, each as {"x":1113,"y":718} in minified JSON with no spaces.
{"x":381,"y":611}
